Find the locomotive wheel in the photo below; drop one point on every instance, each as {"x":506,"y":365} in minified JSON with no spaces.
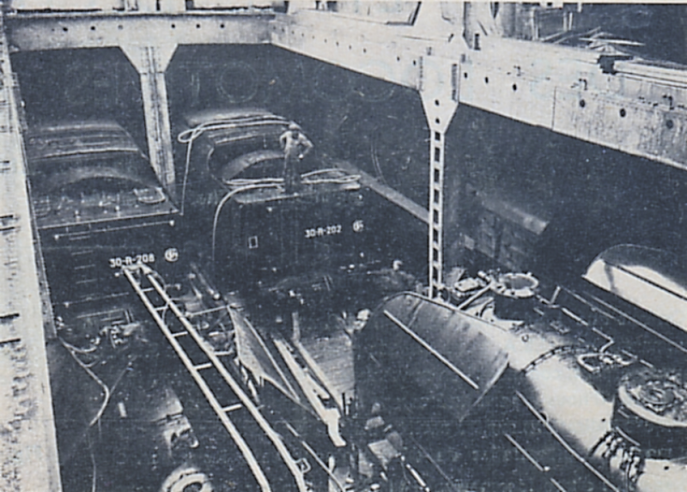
{"x":187,"y":479}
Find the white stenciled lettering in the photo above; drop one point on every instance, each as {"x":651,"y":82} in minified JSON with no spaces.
{"x":323,"y":231}
{"x":120,"y":261}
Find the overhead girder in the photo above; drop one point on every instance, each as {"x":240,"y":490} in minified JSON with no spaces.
{"x":637,"y":107}
{"x":60,"y":30}
{"x":632,"y":106}
{"x":376,"y":50}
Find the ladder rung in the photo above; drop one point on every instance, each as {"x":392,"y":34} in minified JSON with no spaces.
{"x":6,"y":318}
{"x":86,"y":281}
{"x":161,"y":308}
{"x":200,"y":367}
{"x":232,"y":408}
{"x":81,"y":253}
{"x":206,"y":311}
{"x":179,"y":334}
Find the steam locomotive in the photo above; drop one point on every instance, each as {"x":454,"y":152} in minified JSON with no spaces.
{"x":517,"y":385}
{"x":257,"y":236}
{"x":97,"y":205}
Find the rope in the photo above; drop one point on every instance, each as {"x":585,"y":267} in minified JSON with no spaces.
{"x":226,"y":198}
{"x":106,"y":390}
{"x":189,"y":136}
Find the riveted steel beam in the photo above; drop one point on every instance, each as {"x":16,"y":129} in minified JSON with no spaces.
{"x":41,"y":31}
{"x":151,"y":63}
{"x":633,"y":106}
{"x":386,"y":52}
{"x":28,"y":449}
{"x":571,"y":91}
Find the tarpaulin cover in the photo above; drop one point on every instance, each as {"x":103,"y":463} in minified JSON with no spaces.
{"x":441,"y":355}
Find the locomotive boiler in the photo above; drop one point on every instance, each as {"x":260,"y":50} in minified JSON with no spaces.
{"x":98,"y":206}
{"x":473,"y":395}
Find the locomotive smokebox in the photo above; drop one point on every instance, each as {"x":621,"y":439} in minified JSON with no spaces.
{"x":651,"y":409}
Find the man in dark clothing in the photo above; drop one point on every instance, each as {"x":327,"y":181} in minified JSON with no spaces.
{"x":296,"y":146}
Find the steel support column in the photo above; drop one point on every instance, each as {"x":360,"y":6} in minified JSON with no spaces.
{"x":28,"y":449}
{"x":151,"y":63}
{"x":439,"y":93}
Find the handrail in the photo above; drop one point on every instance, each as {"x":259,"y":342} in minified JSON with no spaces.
{"x":207,"y":392}
{"x":248,"y":404}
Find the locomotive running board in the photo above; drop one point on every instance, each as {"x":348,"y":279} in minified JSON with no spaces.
{"x":136,"y":275}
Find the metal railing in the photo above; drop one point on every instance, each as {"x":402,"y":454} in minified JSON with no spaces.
{"x":241,"y":428}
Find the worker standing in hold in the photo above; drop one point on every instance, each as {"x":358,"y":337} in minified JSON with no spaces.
{"x":296,"y":146}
